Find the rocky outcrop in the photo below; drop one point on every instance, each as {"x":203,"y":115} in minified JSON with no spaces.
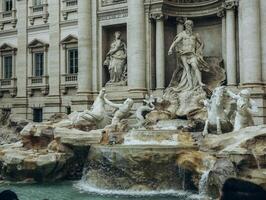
{"x":10,"y":128}
{"x":243,"y":153}
{"x":37,"y":136}
{"x":47,"y":153}
{"x":243,"y":141}
{"x":77,"y":138}
{"x":222,"y":170}
{"x":19,"y":163}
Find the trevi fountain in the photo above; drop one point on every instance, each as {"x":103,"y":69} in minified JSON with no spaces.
{"x":182,"y":143}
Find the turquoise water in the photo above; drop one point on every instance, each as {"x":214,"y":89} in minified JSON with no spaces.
{"x":71,"y":191}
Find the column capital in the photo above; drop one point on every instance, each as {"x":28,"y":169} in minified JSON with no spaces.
{"x":230,"y":4}
{"x":221,"y":13}
{"x":158,"y":16}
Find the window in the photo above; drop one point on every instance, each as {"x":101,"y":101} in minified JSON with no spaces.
{"x":68,"y":110}
{"x":8,"y":5}
{"x":73,"y":61}
{"x":37,"y":2}
{"x":38,"y":60}
{"x":37,"y":115}
{"x":7,"y":67}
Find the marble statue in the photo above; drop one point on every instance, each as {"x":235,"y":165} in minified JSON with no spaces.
{"x":148,"y":106}
{"x":245,"y":109}
{"x":217,"y":114}
{"x":188,"y":47}
{"x":122,"y":112}
{"x":95,"y":115}
{"x":116,"y":61}
{"x":186,"y":89}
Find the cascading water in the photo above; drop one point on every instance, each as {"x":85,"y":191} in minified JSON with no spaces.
{"x":256,"y":159}
{"x":158,"y":137}
{"x":203,"y":182}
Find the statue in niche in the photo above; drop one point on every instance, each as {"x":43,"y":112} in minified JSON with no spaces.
{"x":245,"y":109}
{"x":116,"y":61}
{"x":186,"y":89}
{"x":189,"y":48}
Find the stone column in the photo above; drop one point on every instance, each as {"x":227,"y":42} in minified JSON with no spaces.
{"x":160,"y":56}
{"x":22,"y":42}
{"x":21,"y":104}
{"x":221,"y":14}
{"x":263,"y":37}
{"x":85,"y":48}
{"x":51,"y":65}
{"x":231,"y":42}
{"x":136,"y":46}
{"x":250,"y":42}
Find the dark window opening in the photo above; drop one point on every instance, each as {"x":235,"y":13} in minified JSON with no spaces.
{"x":7,"y":67}
{"x":73,"y":61}
{"x":68,"y":110}
{"x":8,"y":5}
{"x":37,"y":115}
{"x":38,"y":64}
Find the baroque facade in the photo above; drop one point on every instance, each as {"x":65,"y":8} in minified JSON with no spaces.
{"x":54,"y":52}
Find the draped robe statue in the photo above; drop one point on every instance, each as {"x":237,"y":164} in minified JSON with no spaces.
{"x":116,"y":61}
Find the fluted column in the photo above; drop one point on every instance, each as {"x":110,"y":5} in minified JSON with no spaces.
{"x":136,"y":45}
{"x":221,"y":14}
{"x":160,"y":57}
{"x":85,"y":47}
{"x":250,"y":42}
{"x":231,"y":41}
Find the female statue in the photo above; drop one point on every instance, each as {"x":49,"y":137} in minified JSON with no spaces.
{"x":116,"y":61}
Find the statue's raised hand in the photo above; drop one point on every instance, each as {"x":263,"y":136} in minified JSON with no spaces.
{"x":170,"y":52}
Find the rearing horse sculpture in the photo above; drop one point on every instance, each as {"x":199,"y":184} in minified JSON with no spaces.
{"x":218,"y":120}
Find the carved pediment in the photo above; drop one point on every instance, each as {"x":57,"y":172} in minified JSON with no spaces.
{"x":36,"y":43}
{"x":7,"y":47}
{"x":70,"y":39}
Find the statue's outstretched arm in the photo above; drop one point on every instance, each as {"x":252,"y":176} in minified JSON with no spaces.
{"x":111,"y":103}
{"x":232,"y":95}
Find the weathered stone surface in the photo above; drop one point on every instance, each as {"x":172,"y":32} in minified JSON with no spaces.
{"x":77,"y":138}
{"x":10,"y":127}
{"x":37,"y":136}
{"x":221,"y":170}
{"x":243,"y":141}
{"x":243,"y":150}
{"x":19,"y":163}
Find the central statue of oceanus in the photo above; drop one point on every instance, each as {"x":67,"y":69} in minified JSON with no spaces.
{"x":188,"y":47}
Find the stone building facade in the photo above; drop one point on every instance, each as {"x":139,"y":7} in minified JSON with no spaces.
{"x":53,"y":51}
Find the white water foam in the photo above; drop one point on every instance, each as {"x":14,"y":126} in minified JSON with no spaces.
{"x":86,"y":187}
{"x":150,"y":142}
{"x":146,"y":139}
{"x":203,"y":182}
